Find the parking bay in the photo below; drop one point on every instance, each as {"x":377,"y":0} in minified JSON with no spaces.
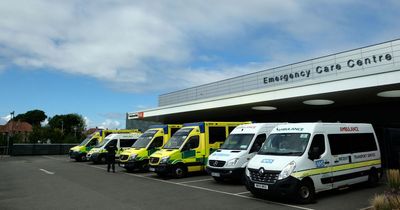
{"x":65,"y":184}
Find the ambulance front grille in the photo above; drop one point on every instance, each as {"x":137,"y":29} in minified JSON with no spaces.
{"x":269,"y":177}
{"x":216,"y":163}
{"x":124,"y":157}
{"x":154,"y":160}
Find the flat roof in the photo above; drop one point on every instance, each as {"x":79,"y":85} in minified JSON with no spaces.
{"x":376,"y":67}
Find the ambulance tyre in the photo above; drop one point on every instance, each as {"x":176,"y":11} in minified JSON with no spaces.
{"x":82,"y":157}
{"x":179,"y":171}
{"x":103,"y":159}
{"x":373,"y":178}
{"x":305,"y":192}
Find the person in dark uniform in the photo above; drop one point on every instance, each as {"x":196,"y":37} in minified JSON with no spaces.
{"x":111,"y":157}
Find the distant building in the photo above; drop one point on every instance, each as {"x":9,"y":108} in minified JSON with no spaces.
{"x":12,"y":128}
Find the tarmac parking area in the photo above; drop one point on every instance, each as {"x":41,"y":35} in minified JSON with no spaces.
{"x":56,"y":182}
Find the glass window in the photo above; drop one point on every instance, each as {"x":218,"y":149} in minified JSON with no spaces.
{"x":174,"y":130}
{"x":216,"y":134}
{"x":237,"y":141}
{"x":85,"y":141}
{"x":260,"y":139}
{"x":318,"y":142}
{"x":176,"y":141}
{"x":112,"y":143}
{"x":285,"y":144}
{"x":351,"y":143}
{"x":126,"y":142}
{"x":192,"y":143}
{"x":144,"y":139}
{"x":157,"y":142}
{"x":92,"y":143}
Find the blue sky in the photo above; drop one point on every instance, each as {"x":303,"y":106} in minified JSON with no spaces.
{"x":101,"y":58}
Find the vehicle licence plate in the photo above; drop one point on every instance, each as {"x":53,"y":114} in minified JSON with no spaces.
{"x":122,"y":165}
{"x":215,"y":174}
{"x":261,"y":186}
{"x":152,"y":169}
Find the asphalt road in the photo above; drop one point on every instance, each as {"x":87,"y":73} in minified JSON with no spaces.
{"x":55,"y":182}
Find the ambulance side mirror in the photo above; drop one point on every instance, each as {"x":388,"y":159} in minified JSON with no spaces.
{"x":314,"y":153}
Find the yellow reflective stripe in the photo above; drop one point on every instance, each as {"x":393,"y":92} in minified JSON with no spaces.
{"x":316,"y":171}
{"x":311,"y":172}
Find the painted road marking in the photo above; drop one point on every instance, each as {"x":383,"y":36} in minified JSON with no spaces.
{"x":46,"y":171}
{"x":242,"y":193}
{"x":205,"y":189}
{"x":200,"y":180}
{"x":367,"y":208}
{"x":218,"y":191}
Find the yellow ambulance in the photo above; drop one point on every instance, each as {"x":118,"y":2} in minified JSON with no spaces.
{"x":80,"y":151}
{"x":137,"y":157}
{"x":188,"y":149}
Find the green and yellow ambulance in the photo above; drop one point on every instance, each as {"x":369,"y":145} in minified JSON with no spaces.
{"x":188,"y":149}
{"x":137,"y":157}
{"x":121,"y":141}
{"x":80,"y":151}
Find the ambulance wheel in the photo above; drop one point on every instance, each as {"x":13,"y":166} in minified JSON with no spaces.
{"x":373,"y":178}
{"x":179,"y":171}
{"x":103,"y":159}
{"x":305,"y":192}
{"x":82,"y":157}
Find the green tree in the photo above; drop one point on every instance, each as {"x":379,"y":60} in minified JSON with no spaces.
{"x":33,"y":117}
{"x":70,"y":126}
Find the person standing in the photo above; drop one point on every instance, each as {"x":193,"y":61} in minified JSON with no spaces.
{"x":111,"y":149}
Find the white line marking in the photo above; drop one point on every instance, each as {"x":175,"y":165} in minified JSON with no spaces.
{"x":366,"y":208}
{"x":46,"y":171}
{"x":217,"y":191}
{"x":205,"y":189}
{"x":53,"y":158}
{"x":200,"y":180}
{"x":242,"y":193}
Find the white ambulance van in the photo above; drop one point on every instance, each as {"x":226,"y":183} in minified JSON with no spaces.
{"x":300,"y":159}
{"x":241,"y":145}
{"x":121,"y":141}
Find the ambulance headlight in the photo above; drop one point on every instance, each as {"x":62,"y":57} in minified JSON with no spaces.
{"x":132,"y":157}
{"x":289,"y":168}
{"x":164,"y":159}
{"x":232,"y":162}
{"x":247,"y":172}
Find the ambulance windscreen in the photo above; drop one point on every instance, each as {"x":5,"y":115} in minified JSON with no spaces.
{"x":176,"y":141}
{"x":237,"y":141}
{"x":285,"y":144}
{"x":144,"y":139}
{"x":85,"y":141}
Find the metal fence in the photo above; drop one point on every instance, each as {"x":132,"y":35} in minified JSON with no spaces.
{"x":40,"y":149}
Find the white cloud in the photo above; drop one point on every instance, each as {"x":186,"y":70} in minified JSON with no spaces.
{"x":149,"y":45}
{"x":88,"y":122}
{"x":5,"y":119}
{"x":110,"y":124}
{"x":45,"y":122}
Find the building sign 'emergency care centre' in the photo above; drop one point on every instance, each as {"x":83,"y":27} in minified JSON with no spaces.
{"x":334,"y":67}
{"x":376,"y":59}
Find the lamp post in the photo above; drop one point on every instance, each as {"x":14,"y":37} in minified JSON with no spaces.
{"x":11,"y":131}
